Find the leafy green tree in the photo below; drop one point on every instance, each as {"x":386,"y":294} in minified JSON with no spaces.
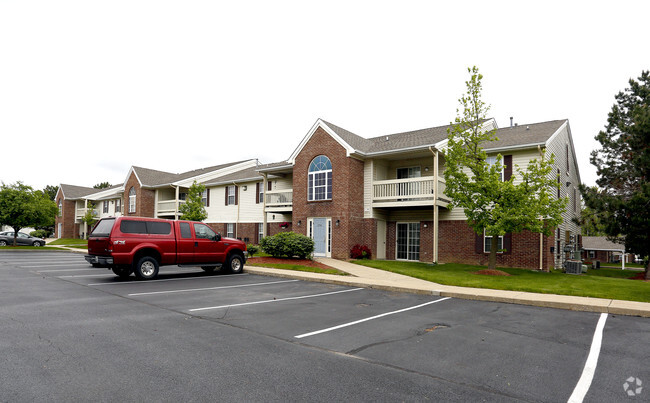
{"x":591,"y":223}
{"x":102,"y":185}
{"x":21,"y":206}
{"x":90,"y":218}
{"x":623,"y":167}
{"x":193,"y":209}
{"x":50,"y":191}
{"x":494,"y":206}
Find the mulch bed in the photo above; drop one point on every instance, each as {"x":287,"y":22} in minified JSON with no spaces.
{"x":488,"y":272}
{"x":296,"y":261}
{"x":640,"y":276}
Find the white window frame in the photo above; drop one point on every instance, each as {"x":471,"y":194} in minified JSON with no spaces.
{"x":320,"y":175}
{"x":105,"y":207}
{"x":204,"y":197}
{"x":408,"y":240}
{"x":118,"y":205}
{"x":260,"y":195}
{"x":310,"y":233}
{"x":260,"y":231}
{"x":230,"y":230}
{"x":485,"y":237}
{"x":132,"y":200}
{"x":231,"y":195}
{"x":492,"y":161}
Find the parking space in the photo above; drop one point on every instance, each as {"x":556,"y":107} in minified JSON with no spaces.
{"x":461,"y":349}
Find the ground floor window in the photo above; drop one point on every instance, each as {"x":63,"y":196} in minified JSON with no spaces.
{"x":408,"y":241}
{"x":260,"y":231}
{"x":230,"y":230}
{"x":487,"y":243}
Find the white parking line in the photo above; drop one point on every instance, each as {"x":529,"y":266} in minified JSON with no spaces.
{"x":274,"y":300}
{"x":167,"y":279}
{"x":86,"y":275}
{"x":55,"y":265}
{"x":300,"y":336}
{"x":211,"y":288}
{"x":584,"y":383}
{"x":58,"y":270}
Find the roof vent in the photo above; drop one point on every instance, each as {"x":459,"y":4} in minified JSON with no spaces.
{"x":511,"y":121}
{"x":386,"y":138}
{"x":527,"y":127}
{"x":516,"y":125}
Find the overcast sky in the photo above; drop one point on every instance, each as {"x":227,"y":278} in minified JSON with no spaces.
{"x":89,"y":88}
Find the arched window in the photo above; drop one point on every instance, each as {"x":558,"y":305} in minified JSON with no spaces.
{"x":132,"y":200}
{"x":320,"y":179}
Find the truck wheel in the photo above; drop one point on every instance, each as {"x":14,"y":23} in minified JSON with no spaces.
{"x":122,"y":271}
{"x":146,"y":268}
{"x":235,"y":263}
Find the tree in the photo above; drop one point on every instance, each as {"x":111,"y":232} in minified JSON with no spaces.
{"x":193,"y":209}
{"x":494,"y":206}
{"x":90,"y":218}
{"x":591,"y":223}
{"x":102,"y":185}
{"x":50,"y":191}
{"x":622,"y":200}
{"x":21,"y":206}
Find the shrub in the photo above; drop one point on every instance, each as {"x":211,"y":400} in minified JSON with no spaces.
{"x":360,"y":252}
{"x":252,"y":249}
{"x":288,"y":244}
{"x":39,"y":233}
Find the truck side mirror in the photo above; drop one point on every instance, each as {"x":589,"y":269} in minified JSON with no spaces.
{"x":217,"y":237}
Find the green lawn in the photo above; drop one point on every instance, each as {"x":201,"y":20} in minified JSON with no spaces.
{"x":603,"y":283}
{"x":28,"y":248}
{"x":298,"y":267}
{"x":69,"y":242}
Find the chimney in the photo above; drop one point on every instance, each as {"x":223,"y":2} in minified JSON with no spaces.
{"x":511,"y":121}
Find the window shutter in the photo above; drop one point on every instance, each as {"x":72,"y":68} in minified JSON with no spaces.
{"x":236,"y":195}
{"x":507,"y":170}
{"x":270,"y":186}
{"x":257,"y":193}
{"x":478,"y":244}
{"x":507,"y":243}
{"x":226,"y":195}
{"x":207,"y":201}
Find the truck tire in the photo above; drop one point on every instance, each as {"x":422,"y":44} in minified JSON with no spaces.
{"x":122,"y":271}
{"x":146,"y":268}
{"x":235,"y":264}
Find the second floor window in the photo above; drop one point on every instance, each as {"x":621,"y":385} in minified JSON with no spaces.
{"x":105,"y":206}
{"x":132,"y":200}
{"x":492,"y":161}
{"x":118,"y":205}
{"x":231,"y":195}
{"x":320,"y":179}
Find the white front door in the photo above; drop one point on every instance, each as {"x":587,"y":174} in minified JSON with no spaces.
{"x":58,"y":233}
{"x":381,"y":239}
{"x":320,"y":232}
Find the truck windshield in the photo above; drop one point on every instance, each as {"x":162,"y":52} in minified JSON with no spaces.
{"x":103,"y":227}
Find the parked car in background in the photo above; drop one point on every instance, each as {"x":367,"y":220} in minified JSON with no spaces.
{"x":7,"y":238}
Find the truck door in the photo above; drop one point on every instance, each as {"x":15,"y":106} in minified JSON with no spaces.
{"x":206,"y":248}
{"x":185,"y":243}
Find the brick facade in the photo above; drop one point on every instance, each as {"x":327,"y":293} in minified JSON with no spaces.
{"x":346,"y":206}
{"x":144,"y":199}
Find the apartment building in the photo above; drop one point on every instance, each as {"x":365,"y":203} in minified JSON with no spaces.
{"x":386,"y":192}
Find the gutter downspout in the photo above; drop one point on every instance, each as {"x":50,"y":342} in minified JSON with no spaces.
{"x":238,"y":204}
{"x":265,"y":186}
{"x":541,"y":236}
{"x":435,"y":204}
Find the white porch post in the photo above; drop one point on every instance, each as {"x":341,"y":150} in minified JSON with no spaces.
{"x":264,"y":184}
{"x":176,"y":201}
{"x":435,"y":205}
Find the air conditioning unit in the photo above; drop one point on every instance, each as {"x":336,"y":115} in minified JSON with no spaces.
{"x":573,"y":267}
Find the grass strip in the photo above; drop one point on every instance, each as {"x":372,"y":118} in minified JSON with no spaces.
{"x":298,"y":267}
{"x":603,"y":283}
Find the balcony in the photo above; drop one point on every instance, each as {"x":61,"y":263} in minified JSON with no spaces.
{"x":167,"y":207}
{"x":408,"y":192}
{"x":279,"y":201}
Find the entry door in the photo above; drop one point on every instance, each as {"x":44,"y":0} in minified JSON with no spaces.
{"x":58,"y":233}
{"x":319,"y":234}
{"x":381,"y":239}
{"x":408,"y":241}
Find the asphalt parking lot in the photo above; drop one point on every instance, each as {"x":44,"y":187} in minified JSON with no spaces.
{"x":71,"y":332}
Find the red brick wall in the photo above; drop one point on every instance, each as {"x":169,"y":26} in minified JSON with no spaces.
{"x":346,"y":205}
{"x":144,"y":199}
{"x":457,"y":245}
{"x":67,"y":219}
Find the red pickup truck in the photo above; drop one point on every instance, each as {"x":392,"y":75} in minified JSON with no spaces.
{"x":141,"y":245}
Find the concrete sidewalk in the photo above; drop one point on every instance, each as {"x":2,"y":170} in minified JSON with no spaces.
{"x":362,"y":276}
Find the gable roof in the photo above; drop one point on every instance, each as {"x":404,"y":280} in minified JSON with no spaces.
{"x":245,"y":175}
{"x":154,"y":178}
{"x":600,"y":243}
{"x":72,"y":192}
{"x":521,"y":136}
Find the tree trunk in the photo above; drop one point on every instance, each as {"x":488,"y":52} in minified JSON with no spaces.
{"x":647,"y":270}
{"x":16,"y":229}
{"x":494,"y":244}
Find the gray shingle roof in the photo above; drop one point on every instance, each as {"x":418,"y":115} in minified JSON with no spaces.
{"x":72,"y":192}
{"x":249,"y":174}
{"x":153,"y":178}
{"x":600,"y":243}
{"x":521,"y":135}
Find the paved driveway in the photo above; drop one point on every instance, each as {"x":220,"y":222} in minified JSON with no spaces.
{"x":72,"y":332}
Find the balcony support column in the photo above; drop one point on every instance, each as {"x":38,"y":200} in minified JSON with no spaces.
{"x":435,"y":203}
{"x":176,"y":201}
{"x":265,"y":187}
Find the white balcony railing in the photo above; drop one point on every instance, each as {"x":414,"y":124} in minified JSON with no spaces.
{"x":279,"y":198}
{"x":408,"y":190}
{"x":169,"y":206}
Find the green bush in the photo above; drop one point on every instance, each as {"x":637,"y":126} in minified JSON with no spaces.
{"x":288,"y":244}
{"x":39,"y":233}
{"x":252,"y":249}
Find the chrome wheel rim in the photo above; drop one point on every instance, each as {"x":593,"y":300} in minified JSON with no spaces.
{"x":235,"y":265}
{"x":147,"y":268}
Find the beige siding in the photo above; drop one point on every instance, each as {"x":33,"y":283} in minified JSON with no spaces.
{"x":368,"y":170}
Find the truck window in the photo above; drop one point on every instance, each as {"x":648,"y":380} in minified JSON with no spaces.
{"x":103,"y":228}
{"x":133,"y":227}
{"x":185,"y":230}
{"x":159,"y":228}
{"x":203,"y":231}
